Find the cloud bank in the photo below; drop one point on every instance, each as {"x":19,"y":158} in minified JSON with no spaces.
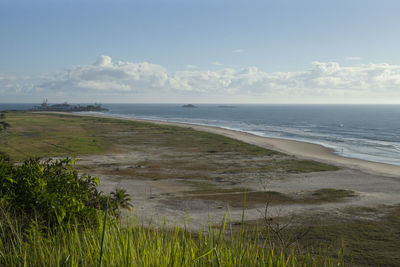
{"x":134,"y":82}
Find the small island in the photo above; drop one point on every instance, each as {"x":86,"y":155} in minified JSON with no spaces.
{"x":189,"y":106}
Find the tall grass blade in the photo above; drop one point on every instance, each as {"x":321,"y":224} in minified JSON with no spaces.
{"x":103,"y":238}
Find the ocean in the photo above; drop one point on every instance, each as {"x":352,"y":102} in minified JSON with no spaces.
{"x":369,"y":132}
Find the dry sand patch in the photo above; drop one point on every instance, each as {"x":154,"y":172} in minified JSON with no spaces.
{"x":161,"y":190}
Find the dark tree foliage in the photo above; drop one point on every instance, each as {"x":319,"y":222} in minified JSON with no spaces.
{"x":3,"y":124}
{"x":52,"y":192}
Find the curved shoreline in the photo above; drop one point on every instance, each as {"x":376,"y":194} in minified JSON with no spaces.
{"x":300,"y":149}
{"x":296,"y":148}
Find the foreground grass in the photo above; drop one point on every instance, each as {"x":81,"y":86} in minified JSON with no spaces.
{"x":365,"y":236}
{"x":137,"y":245}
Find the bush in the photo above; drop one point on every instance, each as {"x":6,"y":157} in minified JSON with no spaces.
{"x":51,"y":192}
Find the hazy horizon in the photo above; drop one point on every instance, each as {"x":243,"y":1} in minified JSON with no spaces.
{"x":194,"y":103}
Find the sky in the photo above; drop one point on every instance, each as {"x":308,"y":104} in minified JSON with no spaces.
{"x":209,"y":51}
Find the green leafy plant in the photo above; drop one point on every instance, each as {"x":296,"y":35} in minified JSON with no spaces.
{"x":3,"y":124}
{"x":120,"y":200}
{"x":53,"y":192}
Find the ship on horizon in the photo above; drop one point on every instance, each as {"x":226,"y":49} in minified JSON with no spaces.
{"x":65,"y":107}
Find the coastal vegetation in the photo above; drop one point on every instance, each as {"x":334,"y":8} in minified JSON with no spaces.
{"x":52,"y":193}
{"x":52,"y":216}
{"x":61,"y":135}
{"x":36,"y":235}
{"x":53,"y":213}
{"x":234,"y":196}
{"x":135,"y":244}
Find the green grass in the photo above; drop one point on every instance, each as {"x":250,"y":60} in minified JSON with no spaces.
{"x":365,"y":242}
{"x":287,"y":165}
{"x":138,"y":245}
{"x":178,"y":148}
{"x":365,"y":236}
{"x":304,"y":166}
{"x":45,"y":134}
{"x":37,"y":135}
{"x":329,"y":194}
{"x":235,"y":196}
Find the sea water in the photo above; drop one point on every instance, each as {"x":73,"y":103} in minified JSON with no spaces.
{"x":370,"y":132}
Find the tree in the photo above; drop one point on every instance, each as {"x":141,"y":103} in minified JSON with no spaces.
{"x":120,"y":200}
{"x":3,"y":124}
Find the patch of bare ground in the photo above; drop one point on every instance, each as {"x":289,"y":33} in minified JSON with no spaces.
{"x":171,"y":185}
{"x":173,"y":172}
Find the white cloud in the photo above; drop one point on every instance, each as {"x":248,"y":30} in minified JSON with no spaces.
{"x":352,"y":58}
{"x":325,"y":81}
{"x":237,"y":51}
{"x":103,"y":61}
{"x":216,"y":63}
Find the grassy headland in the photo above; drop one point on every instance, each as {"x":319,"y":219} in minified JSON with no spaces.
{"x":208,"y":167}
{"x":57,"y":135}
{"x":159,"y":152}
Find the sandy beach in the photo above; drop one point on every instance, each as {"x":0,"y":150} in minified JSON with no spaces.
{"x":296,"y":148}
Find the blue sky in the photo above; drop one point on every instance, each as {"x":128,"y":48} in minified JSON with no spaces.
{"x":201,"y":49}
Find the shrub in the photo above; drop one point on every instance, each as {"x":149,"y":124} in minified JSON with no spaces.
{"x":50,"y":191}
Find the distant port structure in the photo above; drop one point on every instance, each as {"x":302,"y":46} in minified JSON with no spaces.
{"x":65,"y":107}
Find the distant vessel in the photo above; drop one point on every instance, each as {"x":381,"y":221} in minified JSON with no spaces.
{"x":189,"y":106}
{"x":65,"y":107}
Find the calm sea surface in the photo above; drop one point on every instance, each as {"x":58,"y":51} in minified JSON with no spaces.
{"x":370,"y":132}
